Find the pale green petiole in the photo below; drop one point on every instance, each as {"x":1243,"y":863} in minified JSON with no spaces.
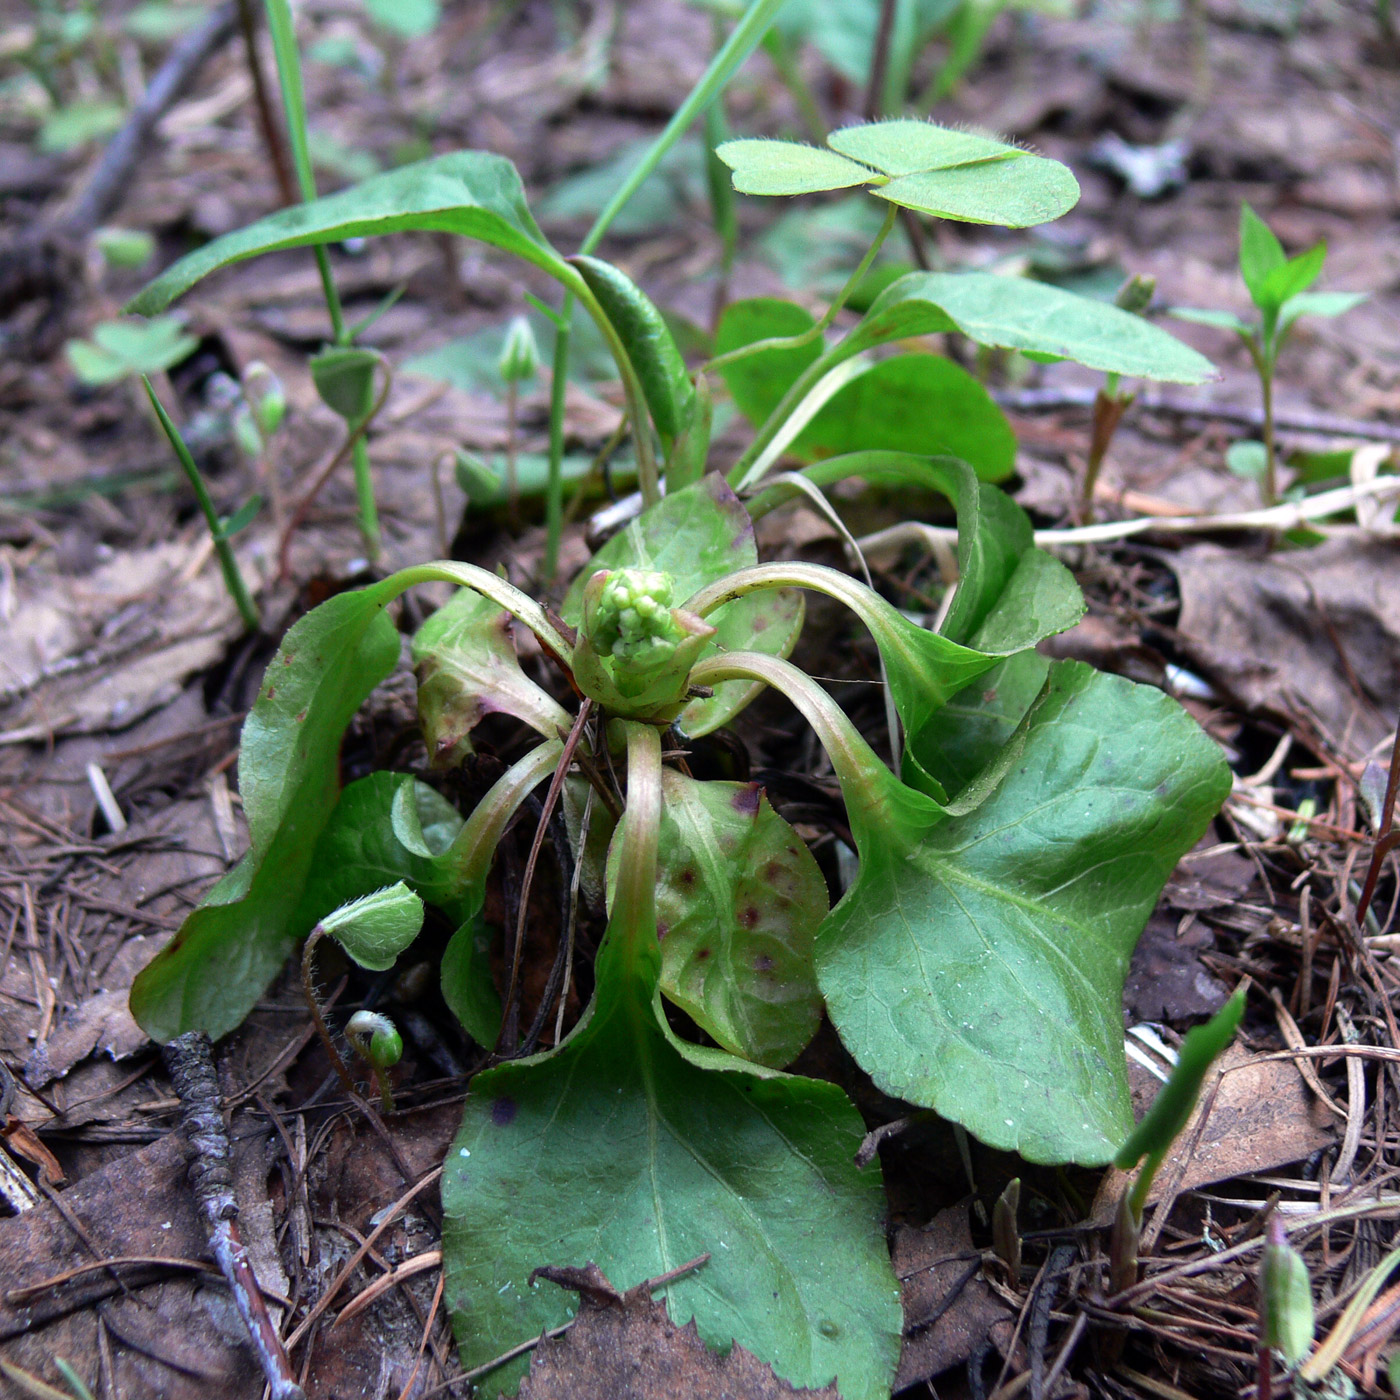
{"x":795,"y":342}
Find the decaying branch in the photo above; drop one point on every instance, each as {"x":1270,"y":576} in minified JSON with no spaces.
{"x":190,"y":1061}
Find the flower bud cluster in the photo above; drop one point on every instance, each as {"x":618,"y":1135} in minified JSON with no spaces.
{"x":633,"y":622}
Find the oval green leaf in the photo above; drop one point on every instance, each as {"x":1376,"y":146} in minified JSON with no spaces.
{"x":786,"y":168}
{"x":904,"y":147}
{"x":622,"y":1150}
{"x":1014,"y":193}
{"x":976,"y":966}
{"x":739,"y":898}
{"x":473,"y":193}
{"x":1020,"y":314}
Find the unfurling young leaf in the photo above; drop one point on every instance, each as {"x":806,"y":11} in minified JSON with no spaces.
{"x":1286,"y":1323}
{"x":376,"y":928}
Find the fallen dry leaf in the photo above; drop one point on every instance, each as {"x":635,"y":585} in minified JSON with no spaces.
{"x":1303,"y":629}
{"x":625,"y":1347}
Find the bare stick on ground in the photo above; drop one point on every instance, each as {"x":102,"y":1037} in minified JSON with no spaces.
{"x":190,"y":1060}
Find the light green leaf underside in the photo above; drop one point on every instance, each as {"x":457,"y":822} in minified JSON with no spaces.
{"x":473,"y":193}
{"x":787,"y":168}
{"x":903,"y":147}
{"x":1020,"y":314}
{"x":618,"y":1149}
{"x":1014,"y":193}
{"x":739,"y":899}
{"x":976,"y":967}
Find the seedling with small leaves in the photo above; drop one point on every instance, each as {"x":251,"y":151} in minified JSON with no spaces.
{"x":974,"y":966}
{"x":120,"y":349}
{"x":1279,"y":288}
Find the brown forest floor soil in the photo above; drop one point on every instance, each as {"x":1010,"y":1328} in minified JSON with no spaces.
{"x":123,"y":666}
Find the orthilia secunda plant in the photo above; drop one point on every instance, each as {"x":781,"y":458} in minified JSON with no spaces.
{"x":1007,"y":861}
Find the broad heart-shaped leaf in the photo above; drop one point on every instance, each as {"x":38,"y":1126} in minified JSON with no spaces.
{"x":629,"y":1150}
{"x":465,"y":658}
{"x":209,"y":976}
{"x":921,"y":404}
{"x":1016,"y":193}
{"x":905,"y":147}
{"x":473,"y":193}
{"x":698,"y":535}
{"x":361,"y":850}
{"x":976,"y":966}
{"x":739,"y":898}
{"x":1020,"y":314}
{"x":787,"y":168}
{"x":758,"y":381}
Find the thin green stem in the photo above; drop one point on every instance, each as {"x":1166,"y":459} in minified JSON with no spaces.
{"x":364,"y":494}
{"x":554,"y":485}
{"x":786,"y":66}
{"x":475,"y":844}
{"x":634,"y":898}
{"x":794,"y":342}
{"x":284,"y":46}
{"x":1270,"y":451}
{"x":745,"y":37}
{"x":233,"y":579}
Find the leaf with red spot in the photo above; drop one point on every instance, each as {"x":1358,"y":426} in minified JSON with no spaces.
{"x":739,"y":898}
{"x":467,"y":668}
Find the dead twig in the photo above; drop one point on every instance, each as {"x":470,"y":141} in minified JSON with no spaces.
{"x":190,"y":1060}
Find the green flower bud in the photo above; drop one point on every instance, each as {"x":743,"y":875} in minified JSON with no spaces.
{"x":265,"y":397}
{"x":520,"y":356}
{"x":246,"y":433}
{"x":376,"y":928}
{"x":633,"y":622}
{"x":376,"y":1038}
{"x":1286,"y":1303}
{"x":124,"y":247}
{"x":1136,"y":294}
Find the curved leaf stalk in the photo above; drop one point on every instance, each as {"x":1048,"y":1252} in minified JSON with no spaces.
{"x":925,"y":669}
{"x":880,"y":466}
{"x":473,"y":847}
{"x":877,"y":802}
{"x":795,"y":342}
{"x":745,"y":37}
{"x":519,"y":605}
{"x":748,"y":469}
{"x":802,"y":408}
{"x":633,"y":914}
